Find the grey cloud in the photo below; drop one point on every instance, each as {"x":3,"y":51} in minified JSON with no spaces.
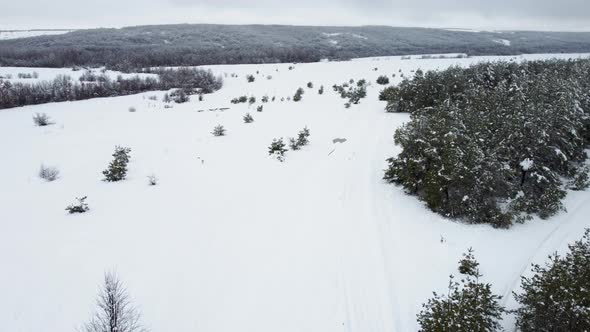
{"x":498,"y":14}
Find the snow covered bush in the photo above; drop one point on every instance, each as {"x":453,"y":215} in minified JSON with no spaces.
{"x":301,"y":140}
{"x":180,"y":96}
{"x":132,"y":109}
{"x":382,"y":80}
{"x":298,"y":94}
{"x":468,"y":306}
{"x":252,"y":100}
{"x":259,"y":108}
{"x":388,"y":93}
{"x":115,"y":311}
{"x":557,"y":296}
{"x":494,"y":143}
{"x":354,"y":93}
{"x":219,"y":130}
{"x":48,"y":174}
{"x":310,"y":85}
{"x":277,"y":149}
{"x":117,"y":169}
{"x":581,"y":180}
{"x":64,"y":88}
{"x":80,"y":206}
{"x":42,"y":119}
{"x":321,"y":90}
{"x":239,"y":100}
{"x":265,"y":99}
{"x":248,"y":118}
{"x":250,"y":78}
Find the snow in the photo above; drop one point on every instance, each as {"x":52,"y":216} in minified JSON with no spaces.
{"x":526,"y":164}
{"x":16,"y":34}
{"x":504,"y":42}
{"x":462,"y":30}
{"x":231,"y":239}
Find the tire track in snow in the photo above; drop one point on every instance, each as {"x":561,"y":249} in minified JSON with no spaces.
{"x":552,"y":241}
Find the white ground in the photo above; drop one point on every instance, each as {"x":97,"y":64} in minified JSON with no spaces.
{"x":239,"y":242}
{"x":16,"y":34}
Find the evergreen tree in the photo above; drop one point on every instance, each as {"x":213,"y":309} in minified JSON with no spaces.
{"x":277,"y":149}
{"x":557,"y":296}
{"x":219,"y":130}
{"x":298,"y":94}
{"x":383,"y":80}
{"x":468,"y":306}
{"x":117,"y":169}
{"x":248,"y":118}
{"x":468,"y":265}
{"x":493,"y":143}
{"x":79,"y":207}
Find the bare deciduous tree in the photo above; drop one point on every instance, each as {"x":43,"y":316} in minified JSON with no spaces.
{"x":115,"y":311}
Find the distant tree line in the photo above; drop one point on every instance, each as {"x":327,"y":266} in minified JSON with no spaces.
{"x":64,"y":88}
{"x":496,"y":142}
{"x":130,"y":48}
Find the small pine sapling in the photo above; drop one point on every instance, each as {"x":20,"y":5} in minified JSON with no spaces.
{"x":277,"y":149}
{"x":219,"y":130}
{"x":117,"y":169}
{"x":468,"y":265}
{"x":80,"y":206}
{"x":248,"y":118}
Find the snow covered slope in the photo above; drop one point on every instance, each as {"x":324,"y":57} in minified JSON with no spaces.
{"x":16,"y":34}
{"x":230,"y":239}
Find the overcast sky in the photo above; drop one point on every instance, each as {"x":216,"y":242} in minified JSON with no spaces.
{"x":573,"y":15}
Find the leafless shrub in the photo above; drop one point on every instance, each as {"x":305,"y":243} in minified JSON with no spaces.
{"x":115,"y":311}
{"x":152,"y":180}
{"x":48,"y":174}
{"x":42,"y":119}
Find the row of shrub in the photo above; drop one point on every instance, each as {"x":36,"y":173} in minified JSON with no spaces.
{"x":354,"y":93}
{"x":277,"y":148}
{"x":64,"y":88}
{"x":495,"y":142}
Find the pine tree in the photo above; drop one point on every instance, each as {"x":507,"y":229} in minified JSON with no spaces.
{"x":468,"y":306}
{"x":117,"y":169}
{"x":301,"y":140}
{"x":277,"y":149}
{"x":383,"y":80}
{"x":298,"y":95}
{"x":219,"y":130}
{"x":248,"y":118}
{"x":79,"y":207}
{"x":468,"y":265}
{"x":557,"y":296}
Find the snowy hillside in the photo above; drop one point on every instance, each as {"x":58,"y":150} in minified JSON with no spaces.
{"x":231,"y":239}
{"x":16,"y":34}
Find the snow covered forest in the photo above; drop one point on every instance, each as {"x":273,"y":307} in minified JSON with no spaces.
{"x":130,"y":48}
{"x":495,"y":142}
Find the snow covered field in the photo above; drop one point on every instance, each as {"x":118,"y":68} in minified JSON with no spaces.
{"x":15,"y":34}
{"x":231,"y":239}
